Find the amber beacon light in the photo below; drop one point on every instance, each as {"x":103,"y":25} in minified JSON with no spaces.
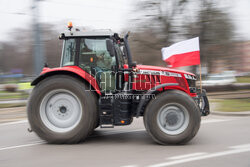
{"x":70,"y":25}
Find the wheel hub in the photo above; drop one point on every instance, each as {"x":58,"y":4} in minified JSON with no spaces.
{"x":63,"y":109}
{"x":60,"y":110}
{"x":173,"y":119}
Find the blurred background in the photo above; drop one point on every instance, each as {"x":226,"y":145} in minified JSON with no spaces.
{"x":30,"y":28}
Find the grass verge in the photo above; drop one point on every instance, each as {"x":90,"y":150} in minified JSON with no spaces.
{"x":243,"y":79}
{"x":232,"y":105}
{"x":12,"y":105}
{"x":8,"y":97}
{"x":4,"y":95}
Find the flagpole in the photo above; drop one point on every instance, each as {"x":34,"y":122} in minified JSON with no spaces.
{"x":200,"y":78}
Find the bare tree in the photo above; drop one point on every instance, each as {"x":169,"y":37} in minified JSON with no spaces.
{"x":215,"y":30}
{"x":163,"y":22}
{"x":17,"y":53}
{"x":158,"y":24}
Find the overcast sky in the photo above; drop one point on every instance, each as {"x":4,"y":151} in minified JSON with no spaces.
{"x":241,"y":17}
{"x":111,"y":14}
{"x":99,"y":14}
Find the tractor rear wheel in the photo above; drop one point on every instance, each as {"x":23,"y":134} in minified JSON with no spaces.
{"x":60,"y":110}
{"x":172,"y":117}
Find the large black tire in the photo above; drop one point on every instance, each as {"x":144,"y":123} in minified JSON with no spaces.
{"x":76,"y":92}
{"x":168,"y":103}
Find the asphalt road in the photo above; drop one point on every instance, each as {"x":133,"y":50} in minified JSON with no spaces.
{"x":221,"y":141}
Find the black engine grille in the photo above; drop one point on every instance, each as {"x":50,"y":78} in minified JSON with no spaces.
{"x":191,"y":83}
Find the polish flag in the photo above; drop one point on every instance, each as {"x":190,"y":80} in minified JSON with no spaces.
{"x":185,"y":53}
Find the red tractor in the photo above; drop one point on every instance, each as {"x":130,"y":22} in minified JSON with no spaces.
{"x":98,"y":85}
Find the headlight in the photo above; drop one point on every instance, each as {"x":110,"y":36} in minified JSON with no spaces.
{"x":192,"y":77}
{"x":172,"y":74}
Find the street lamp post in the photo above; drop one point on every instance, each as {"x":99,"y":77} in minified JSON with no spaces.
{"x":38,"y":50}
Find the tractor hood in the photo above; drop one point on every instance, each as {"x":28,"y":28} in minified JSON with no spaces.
{"x":156,"y":68}
{"x":148,"y":77}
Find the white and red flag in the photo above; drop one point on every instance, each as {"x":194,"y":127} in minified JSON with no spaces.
{"x":185,"y":53}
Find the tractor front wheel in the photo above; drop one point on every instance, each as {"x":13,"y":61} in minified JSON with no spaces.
{"x":172,"y":117}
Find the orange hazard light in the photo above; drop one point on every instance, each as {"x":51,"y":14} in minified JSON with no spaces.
{"x":70,"y":25}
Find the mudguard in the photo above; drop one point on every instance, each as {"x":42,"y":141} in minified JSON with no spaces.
{"x":68,"y":70}
{"x":149,"y":92}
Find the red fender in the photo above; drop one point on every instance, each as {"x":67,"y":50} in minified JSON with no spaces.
{"x":68,"y":69}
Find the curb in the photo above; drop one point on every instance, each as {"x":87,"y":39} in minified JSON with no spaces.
{"x":19,"y":101}
{"x":242,"y":113}
{"x":13,"y":108}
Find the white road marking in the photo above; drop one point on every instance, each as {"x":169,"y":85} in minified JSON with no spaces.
{"x":240,"y":146}
{"x":187,"y":155}
{"x":42,"y":142}
{"x":214,"y":120}
{"x":130,"y":166}
{"x":237,"y":150}
{"x":20,"y":146}
{"x":14,"y":123}
{"x":105,"y":133}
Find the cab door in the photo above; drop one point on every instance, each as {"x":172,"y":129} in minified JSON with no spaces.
{"x":95,"y":59}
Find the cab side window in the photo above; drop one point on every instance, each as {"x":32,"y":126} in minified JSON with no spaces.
{"x":69,"y":52}
{"x":94,"y":55}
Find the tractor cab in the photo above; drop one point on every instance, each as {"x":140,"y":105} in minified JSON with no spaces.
{"x":97,"y":53}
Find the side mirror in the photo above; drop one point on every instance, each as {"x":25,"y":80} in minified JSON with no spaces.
{"x":124,"y":52}
{"x":134,"y":64}
{"x":62,"y":36}
{"x":110,"y":47}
